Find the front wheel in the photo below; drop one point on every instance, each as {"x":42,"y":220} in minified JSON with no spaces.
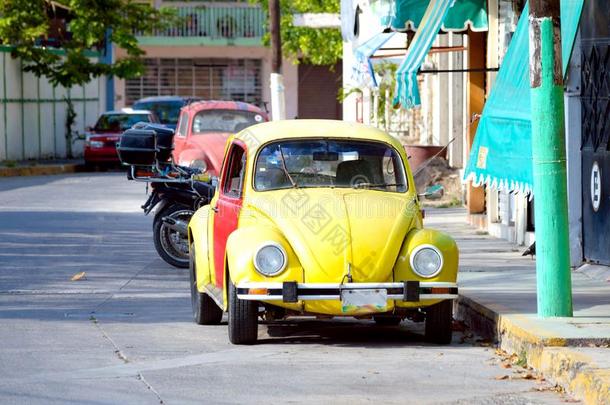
{"x":170,"y":243}
{"x":205,"y":310}
{"x":243,"y":318}
{"x":438,"y":322}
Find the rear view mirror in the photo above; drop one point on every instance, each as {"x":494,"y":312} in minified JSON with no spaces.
{"x":326,"y":156}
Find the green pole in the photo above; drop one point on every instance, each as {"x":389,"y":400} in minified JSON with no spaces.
{"x":553,"y":277}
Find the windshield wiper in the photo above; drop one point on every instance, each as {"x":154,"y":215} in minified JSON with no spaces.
{"x":294,"y":184}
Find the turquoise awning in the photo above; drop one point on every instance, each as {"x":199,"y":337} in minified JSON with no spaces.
{"x":363,"y":68}
{"x":407,"y":93}
{"x":501,"y":154}
{"x":464,"y":14}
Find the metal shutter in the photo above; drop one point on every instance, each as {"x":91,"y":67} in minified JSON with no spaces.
{"x":209,"y":78}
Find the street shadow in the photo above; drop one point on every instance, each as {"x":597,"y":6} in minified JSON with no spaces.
{"x":349,"y":332}
{"x":13,"y":183}
{"x":43,"y":250}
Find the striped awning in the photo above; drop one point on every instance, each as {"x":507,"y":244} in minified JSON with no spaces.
{"x":501,"y":154}
{"x":407,"y":93}
{"x":363,"y":72}
{"x":464,"y":14}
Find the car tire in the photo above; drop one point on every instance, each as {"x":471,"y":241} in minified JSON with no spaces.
{"x":243,"y":318}
{"x":160,"y":238}
{"x":387,"y":320}
{"x":205,"y":310}
{"x":439,"y":318}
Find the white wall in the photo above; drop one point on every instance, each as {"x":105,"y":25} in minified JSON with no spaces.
{"x":33,"y":113}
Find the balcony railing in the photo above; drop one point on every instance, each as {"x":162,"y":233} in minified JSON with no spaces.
{"x":211,"y":24}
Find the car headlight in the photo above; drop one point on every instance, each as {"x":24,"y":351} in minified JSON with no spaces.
{"x":196,"y":164}
{"x":270,"y":259}
{"x":426,"y":261}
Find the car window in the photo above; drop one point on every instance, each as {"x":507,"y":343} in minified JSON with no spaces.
{"x":119,"y":122}
{"x":224,"y":120}
{"x":234,"y":177}
{"x":166,"y":111}
{"x":182,"y":124}
{"x":329,"y":163}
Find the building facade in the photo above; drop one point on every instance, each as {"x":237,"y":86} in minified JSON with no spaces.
{"x":452,"y":104}
{"x":217,"y":52}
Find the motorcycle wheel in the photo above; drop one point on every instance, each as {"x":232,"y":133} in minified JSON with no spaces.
{"x":170,"y":244}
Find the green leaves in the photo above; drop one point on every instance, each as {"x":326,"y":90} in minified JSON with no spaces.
{"x":310,"y":45}
{"x":24,"y":24}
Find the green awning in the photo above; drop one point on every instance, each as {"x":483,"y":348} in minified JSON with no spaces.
{"x":501,"y":154}
{"x":462,"y":15}
{"x":407,"y":93}
{"x":363,"y":71}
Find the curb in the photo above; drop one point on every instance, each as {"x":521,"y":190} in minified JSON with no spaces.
{"x":42,"y":170}
{"x":573,"y":370}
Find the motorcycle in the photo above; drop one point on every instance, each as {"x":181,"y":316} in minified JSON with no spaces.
{"x":174,"y":203}
{"x":177,"y":191}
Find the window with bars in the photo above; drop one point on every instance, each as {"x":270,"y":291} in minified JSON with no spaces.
{"x":210,"y":79}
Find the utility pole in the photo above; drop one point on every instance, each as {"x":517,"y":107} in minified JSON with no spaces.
{"x":278,"y":101}
{"x":553,"y":278}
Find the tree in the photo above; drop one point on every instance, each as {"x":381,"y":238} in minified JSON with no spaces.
{"x":318,"y":46}
{"x":25,"y":24}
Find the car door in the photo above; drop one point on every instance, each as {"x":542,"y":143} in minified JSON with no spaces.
{"x":180,"y":135}
{"x":228,"y":205}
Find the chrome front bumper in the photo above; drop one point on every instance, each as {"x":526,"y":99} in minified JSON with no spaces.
{"x":407,"y":291}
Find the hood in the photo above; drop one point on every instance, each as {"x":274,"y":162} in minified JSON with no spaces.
{"x":331,"y":229}
{"x":212,"y":146}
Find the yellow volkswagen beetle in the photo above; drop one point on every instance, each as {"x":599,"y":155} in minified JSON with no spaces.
{"x":317,"y":217}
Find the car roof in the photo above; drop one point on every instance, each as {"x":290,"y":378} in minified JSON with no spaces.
{"x":127,"y":111}
{"x":221,"y":104}
{"x":260,"y":134}
{"x":166,"y":98}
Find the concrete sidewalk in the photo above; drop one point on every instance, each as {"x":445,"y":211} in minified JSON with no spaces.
{"x":498,"y":301}
{"x":41,"y":167}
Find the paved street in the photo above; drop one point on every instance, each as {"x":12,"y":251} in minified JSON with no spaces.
{"x":123,"y":333}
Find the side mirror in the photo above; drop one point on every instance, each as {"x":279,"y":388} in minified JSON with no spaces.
{"x":434,"y":192}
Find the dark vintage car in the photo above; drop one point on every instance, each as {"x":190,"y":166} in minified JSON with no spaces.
{"x":167,"y":108}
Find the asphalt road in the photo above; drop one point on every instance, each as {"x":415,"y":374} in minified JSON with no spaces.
{"x":123,"y":333}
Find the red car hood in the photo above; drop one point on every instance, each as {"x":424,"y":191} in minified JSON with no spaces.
{"x":212,"y":145}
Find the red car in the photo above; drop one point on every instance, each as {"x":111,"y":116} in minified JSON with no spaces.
{"x":101,"y":140}
{"x":203,"y":129}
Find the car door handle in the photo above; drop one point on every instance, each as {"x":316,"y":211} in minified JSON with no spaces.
{"x":215,"y":209}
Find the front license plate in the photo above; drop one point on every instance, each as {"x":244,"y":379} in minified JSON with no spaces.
{"x":364,"y":300}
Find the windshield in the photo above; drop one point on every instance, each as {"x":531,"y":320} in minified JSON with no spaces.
{"x":167,"y":111}
{"x":119,"y":122}
{"x":231,"y":121}
{"x":329,"y":163}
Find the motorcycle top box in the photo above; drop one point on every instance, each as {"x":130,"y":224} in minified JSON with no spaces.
{"x":143,"y":144}
{"x":165,"y":139}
